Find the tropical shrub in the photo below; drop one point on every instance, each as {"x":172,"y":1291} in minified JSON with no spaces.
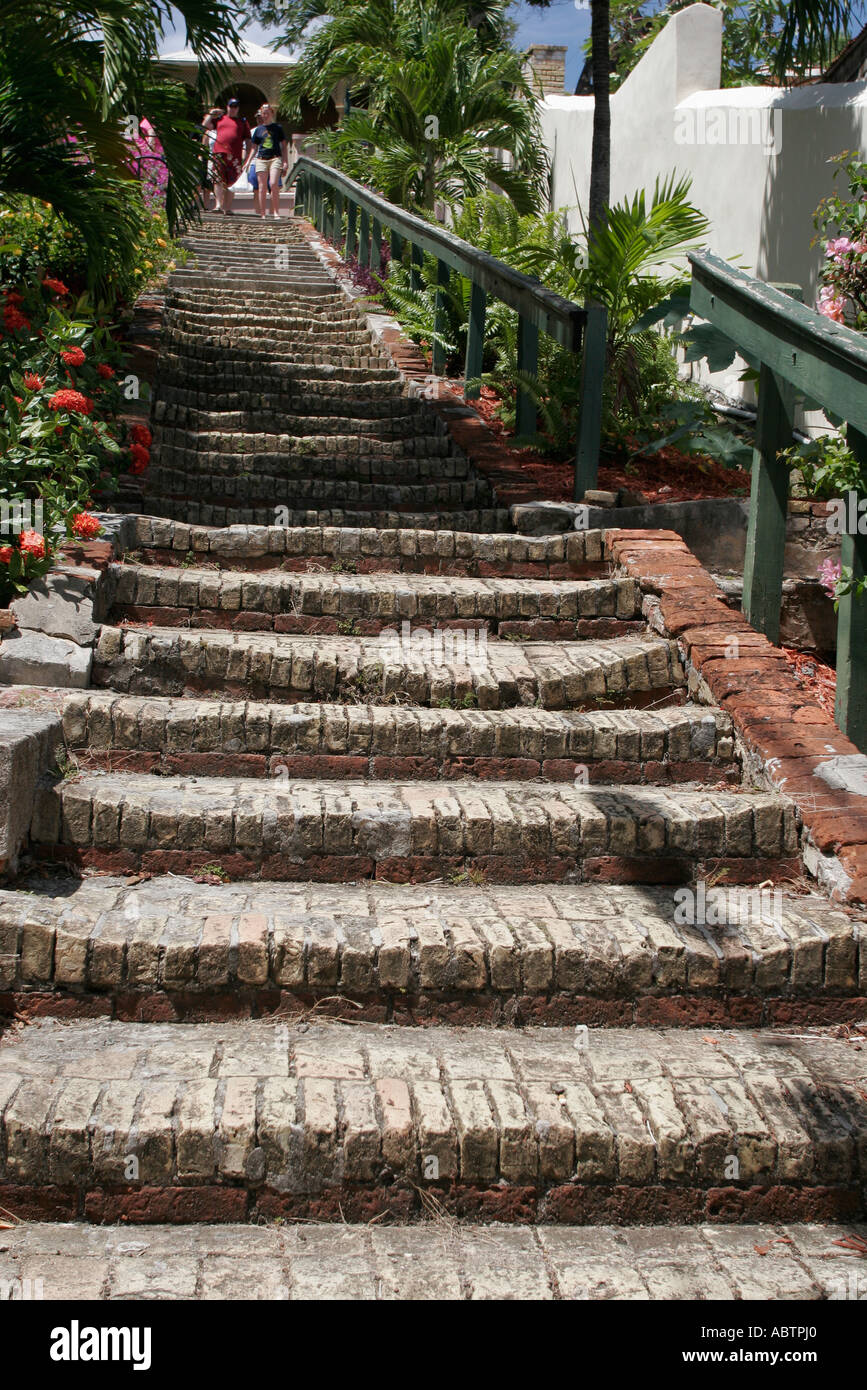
{"x":59,"y":435}
{"x":631,"y":268}
{"x":843,"y":275}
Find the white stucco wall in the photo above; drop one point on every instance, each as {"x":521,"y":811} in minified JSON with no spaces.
{"x":758,"y":183}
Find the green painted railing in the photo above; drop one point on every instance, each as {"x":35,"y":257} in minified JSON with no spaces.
{"x":800,"y":351}
{"x":339,"y":207}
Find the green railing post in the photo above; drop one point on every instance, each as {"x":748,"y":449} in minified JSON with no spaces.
{"x":850,"y":704}
{"x":595,"y":347}
{"x":475,"y":339}
{"x":299,"y":195}
{"x":396,"y":246}
{"x":337,"y":226}
{"x":769,"y":502}
{"x":439,"y":352}
{"x":351,"y":229}
{"x":528,"y":361}
{"x":364,"y":239}
{"x":376,"y":247}
{"x":416,"y":279}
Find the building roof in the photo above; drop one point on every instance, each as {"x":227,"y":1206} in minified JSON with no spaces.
{"x":250,"y":55}
{"x":849,"y":63}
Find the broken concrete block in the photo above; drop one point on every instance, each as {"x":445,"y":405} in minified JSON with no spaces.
{"x":29,"y":743}
{"x":32,"y":658}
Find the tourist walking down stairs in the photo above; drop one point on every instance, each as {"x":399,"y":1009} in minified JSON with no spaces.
{"x":269,"y":147}
{"x":230,"y":148}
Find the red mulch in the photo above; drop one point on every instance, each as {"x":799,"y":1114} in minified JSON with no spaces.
{"x":669,"y":476}
{"x":817,"y":678}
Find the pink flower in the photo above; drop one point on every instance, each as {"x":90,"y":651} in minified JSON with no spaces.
{"x":838,"y":247}
{"x":829,"y":576}
{"x":831,"y":304}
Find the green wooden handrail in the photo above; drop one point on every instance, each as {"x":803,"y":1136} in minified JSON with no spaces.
{"x":328,"y":195}
{"x":799,"y":350}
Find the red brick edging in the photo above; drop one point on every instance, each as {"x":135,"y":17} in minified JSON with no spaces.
{"x":778,"y":722}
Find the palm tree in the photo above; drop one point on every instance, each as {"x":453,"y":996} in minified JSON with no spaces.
{"x":440,"y":101}
{"x":77,"y":73}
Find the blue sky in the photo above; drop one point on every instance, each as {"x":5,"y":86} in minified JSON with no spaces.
{"x":562,"y":23}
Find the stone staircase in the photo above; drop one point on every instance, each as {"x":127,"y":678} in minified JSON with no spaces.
{"x":393,"y":825}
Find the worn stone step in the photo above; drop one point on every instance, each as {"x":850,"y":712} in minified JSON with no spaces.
{"x":303,"y":327}
{"x":170,"y":947}
{"x":482,"y":520}
{"x":239,"y":1121}
{"x":199,"y":352}
{"x":387,"y":670}
{"x":302,"y":492}
{"x":236,"y":449}
{"x":176,"y":420}
{"x":411,"y":830}
{"x":265,"y":371}
{"x":212,"y":737}
{"x":366,"y":549}
{"x":387,"y":463}
{"x":376,"y":398}
{"x":298,"y":284}
{"x":433,"y":1260}
{"x":369,"y":603}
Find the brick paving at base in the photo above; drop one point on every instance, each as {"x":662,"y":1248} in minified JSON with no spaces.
{"x":433,"y":1260}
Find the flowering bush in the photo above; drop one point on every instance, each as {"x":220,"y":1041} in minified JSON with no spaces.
{"x":59,"y":436}
{"x":843,"y":276}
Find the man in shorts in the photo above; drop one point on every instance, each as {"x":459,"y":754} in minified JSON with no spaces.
{"x":230,"y":147}
{"x":269,"y":147}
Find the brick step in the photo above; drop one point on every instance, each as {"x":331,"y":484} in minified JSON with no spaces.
{"x":238,"y":738}
{"x":380,"y":398}
{"x":340,"y":339}
{"x":199,"y":368}
{"x":408,"y":831}
{"x":483,"y":520}
{"x":177,"y":421}
{"x":365,"y":461}
{"x":364,"y":548}
{"x":173,"y":948}
{"x":237,"y":447}
{"x":274,"y":599}
{"x":298,"y":493}
{"x":427,"y":1261}
{"x":635,"y":670}
{"x":236,"y":351}
{"x":297,"y":284}
{"x":349,"y":324}
{"x":268,"y":304}
{"x":260,"y":1119}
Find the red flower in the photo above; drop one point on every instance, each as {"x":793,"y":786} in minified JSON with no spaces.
{"x":5,"y":554}
{"x":86,"y":525}
{"x":31,"y":543}
{"x":56,"y":285}
{"x":14,"y":297}
{"x":140,"y":434}
{"x":140,"y":458}
{"x":73,"y":357}
{"x":73,"y":401}
{"x":18,"y":400}
{"x":14,"y":319}
{"x":105,"y":371}
{"x":58,"y":429}
{"x":33,"y":381}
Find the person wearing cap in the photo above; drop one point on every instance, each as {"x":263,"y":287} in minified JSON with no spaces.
{"x":230,"y":148}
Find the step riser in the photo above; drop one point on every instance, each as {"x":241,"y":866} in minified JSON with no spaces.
{"x":467,"y":956}
{"x":412,"y":833}
{"x":187,"y":510}
{"x":331,"y":1120}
